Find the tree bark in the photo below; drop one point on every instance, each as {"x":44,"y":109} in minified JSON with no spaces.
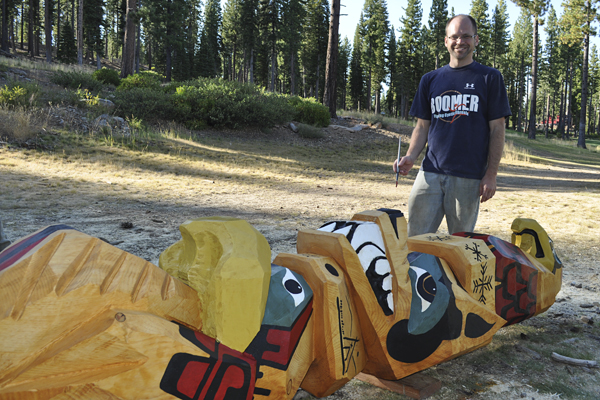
{"x":330,"y":95}
{"x":4,"y":27}
{"x":80,"y":33}
{"x":128,"y":65}
{"x":533,"y":105}
{"x":584,"y":90}
{"x":48,"y":29}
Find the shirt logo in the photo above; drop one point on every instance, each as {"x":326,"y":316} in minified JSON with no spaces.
{"x":451,"y":105}
{"x":470,"y":86}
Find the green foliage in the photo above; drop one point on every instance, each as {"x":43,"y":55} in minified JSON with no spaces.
{"x":309,"y":111}
{"x":19,"y":94}
{"x":310,"y":132}
{"x":107,"y":76}
{"x":223,"y":103}
{"x":76,"y":80}
{"x":149,"y":104}
{"x":144,"y":79}
{"x":67,"y":46}
{"x":219,"y":103}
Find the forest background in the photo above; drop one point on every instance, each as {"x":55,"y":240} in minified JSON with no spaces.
{"x":281,"y":46}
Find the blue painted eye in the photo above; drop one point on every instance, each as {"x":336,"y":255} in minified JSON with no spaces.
{"x":426,"y":287}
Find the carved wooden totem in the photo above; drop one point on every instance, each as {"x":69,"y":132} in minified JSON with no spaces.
{"x":80,"y":318}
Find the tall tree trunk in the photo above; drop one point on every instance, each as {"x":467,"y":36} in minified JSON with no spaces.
{"x":292,"y":75}
{"x":330,"y":95}
{"x":127,"y":67}
{"x":48,"y":29}
{"x":22,"y":21}
{"x":57,"y":24}
{"x":569,"y":109}
{"x":30,"y":24}
{"x":80,"y":33}
{"x":547,"y":115}
{"x":318,"y":73}
{"x":520,"y":95}
{"x":4,"y":27}
{"x":584,"y":90}
{"x":138,"y":44}
{"x":534,"y":62}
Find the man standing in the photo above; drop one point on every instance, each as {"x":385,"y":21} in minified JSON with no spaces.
{"x":460,"y":110}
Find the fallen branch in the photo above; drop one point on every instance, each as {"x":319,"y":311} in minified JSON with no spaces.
{"x":574,"y":361}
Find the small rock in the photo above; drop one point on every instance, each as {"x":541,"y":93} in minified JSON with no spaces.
{"x":524,"y":336}
{"x":126,"y":225}
{"x":577,"y":285}
{"x":293,"y":127}
{"x":587,"y":320}
{"x":106,"y":103}
{"x":586,"y":305}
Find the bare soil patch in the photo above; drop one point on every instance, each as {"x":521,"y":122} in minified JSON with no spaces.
{"x":282,"y":183}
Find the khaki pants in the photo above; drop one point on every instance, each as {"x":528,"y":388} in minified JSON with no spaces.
{"x":435,"y":195}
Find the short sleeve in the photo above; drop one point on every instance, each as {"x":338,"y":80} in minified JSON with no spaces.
{"x":498,"y":106}
{"x":420,"y":107}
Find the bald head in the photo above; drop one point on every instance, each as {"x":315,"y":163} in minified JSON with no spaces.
{"x":463,"y":16}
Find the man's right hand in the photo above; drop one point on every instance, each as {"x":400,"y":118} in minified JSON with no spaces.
{"x":404,"y":166}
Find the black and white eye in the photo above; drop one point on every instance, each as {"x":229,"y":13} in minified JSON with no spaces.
{"x":425,"y":287}
{"x":291,"y":284}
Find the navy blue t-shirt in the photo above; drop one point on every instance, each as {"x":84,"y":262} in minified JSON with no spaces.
{"x":460,"y":102}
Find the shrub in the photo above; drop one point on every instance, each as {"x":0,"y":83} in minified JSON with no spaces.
{"x":230,"y":104}
{"x":144,"y":103}
{"x":310,"y":132}
{"x":310,"y":112}
{"x":144,"y":79}
{"x":21,"y":94}
{"x":76,"y":80}
{"x":107,"y":76}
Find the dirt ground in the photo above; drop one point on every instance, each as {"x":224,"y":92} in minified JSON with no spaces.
{"x":98,"y":198}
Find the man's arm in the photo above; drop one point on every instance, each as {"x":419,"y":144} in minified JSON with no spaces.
{"x":487,"y":187}
{"x":417,"y":144}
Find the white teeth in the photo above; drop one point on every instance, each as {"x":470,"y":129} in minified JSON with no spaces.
{"x":387,"y":283}
{"x":390,"y":301}
{"x":367,"y":254}
{"x":382,"y":267}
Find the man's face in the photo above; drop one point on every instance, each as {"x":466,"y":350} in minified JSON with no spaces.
{"x":460,"y":41}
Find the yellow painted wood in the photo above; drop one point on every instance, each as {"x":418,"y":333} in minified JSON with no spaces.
{"x":471,"y":261}
{"x":58,"y":308}
{"x":338,"y":345}
{"x":210,"y":257}
{"x":550,"y":268}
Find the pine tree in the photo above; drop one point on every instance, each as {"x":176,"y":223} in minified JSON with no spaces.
{"x":537,"y":8}
{"x":67,"y":46}
{"x":356,"y":81}
{"x":479,"y":9}
{"x":500,"y":35}
{"x":390,"y":101}
{"x":551,"y":67}
{"x":376,"y":28}
{"x":438,"y":17}
{"x":314,"y":46}
{"x":209,"y":62}
{"x":232,"y":38}
{"x":520,"y":54}
{"x":409,"y":56}
{"x":576,"y":20}
{"x":345,"y":50}
{"x":292,"y":15}
{"x":93,"y":24}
